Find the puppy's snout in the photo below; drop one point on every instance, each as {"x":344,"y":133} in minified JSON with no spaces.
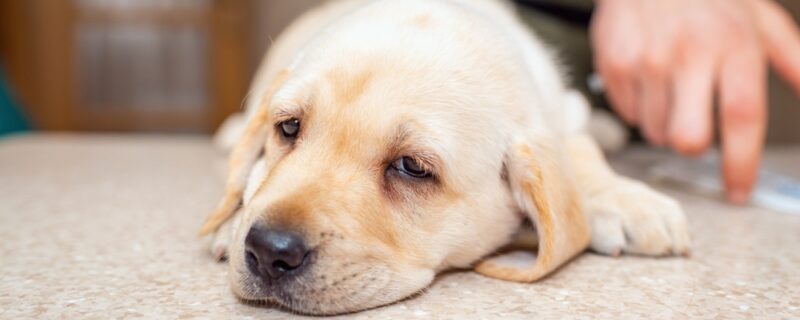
{"x":271,"y":253}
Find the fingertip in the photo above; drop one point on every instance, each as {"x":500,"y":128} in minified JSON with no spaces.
{"x":691,"y":141}
{"x":740,"y":175}
{"x":622,"y":101}
{"x":627,"y":116}
{"x":690,"y":149}
{"x":738,"y":196}
{"x":655,"y":137}
{"x":740,"y":178}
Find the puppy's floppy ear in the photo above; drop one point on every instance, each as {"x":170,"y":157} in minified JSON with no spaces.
{"x":242,"y":159}
{"x":543,"y":190}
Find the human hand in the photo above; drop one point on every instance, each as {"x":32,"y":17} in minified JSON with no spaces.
{"x":664,"y":61}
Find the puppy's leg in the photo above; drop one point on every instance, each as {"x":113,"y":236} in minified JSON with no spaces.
{"x":222,"y":238}
{"x":625,"y":215}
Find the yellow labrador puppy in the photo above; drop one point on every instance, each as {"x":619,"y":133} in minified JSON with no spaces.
{"x":389,"y":140}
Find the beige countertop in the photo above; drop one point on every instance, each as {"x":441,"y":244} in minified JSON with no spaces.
{"x":104,"y":227}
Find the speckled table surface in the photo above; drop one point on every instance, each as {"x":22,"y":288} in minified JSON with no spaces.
{"x":104,"y":227}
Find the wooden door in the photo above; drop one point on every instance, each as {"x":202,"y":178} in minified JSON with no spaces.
{"x":126,"y":65}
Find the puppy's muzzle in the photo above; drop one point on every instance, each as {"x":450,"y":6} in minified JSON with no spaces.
{"x":273,"y":253}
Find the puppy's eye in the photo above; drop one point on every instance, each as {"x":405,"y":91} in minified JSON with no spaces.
{"x":409,"y":166}
{"x":290,"y":128}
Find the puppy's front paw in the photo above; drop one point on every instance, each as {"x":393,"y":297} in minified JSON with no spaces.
{"x":221,"y":239}
{"x":631,"y":217}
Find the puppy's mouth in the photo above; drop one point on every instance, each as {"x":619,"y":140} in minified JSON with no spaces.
{"x":323,"y":289}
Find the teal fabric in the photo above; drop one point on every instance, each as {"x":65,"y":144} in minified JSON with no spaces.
{"x":11,"y":119}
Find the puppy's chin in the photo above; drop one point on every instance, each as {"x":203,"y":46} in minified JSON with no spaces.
{"x":332,"y":288}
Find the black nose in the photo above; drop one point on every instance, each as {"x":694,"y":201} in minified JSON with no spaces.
{"x":272,"y":253}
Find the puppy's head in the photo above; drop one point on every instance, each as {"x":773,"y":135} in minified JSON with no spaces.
{"x":372,"y":174}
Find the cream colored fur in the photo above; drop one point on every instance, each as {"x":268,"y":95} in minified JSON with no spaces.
{"x":460,"y":82}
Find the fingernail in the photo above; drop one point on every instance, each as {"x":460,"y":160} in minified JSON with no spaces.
{"x":738,"y":196}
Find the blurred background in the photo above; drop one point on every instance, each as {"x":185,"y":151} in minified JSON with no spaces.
{"x":131,"y":65}
{"x":182,"y":66}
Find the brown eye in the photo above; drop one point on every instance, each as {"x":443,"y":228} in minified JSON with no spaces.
{"x":290,"y":128}
{"x":410,"y":167}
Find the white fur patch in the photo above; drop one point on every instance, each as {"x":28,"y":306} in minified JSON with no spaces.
{"x":254,"y":180}
{"x":518,"y":259}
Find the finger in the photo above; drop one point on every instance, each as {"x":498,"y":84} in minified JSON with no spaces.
{"x":743,"y":105}
{"x":654,"y":77}
{"x":655,"y":95}
{"x":782,"y":41}
{"x":621,"y":92}
{"x":690,"y":127}
{"x":618,"y":45}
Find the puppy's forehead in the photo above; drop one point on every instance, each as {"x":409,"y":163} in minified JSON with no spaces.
{"x":344,"y":86}
{"x":359,"y":107}
{"x":362,"y":102}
